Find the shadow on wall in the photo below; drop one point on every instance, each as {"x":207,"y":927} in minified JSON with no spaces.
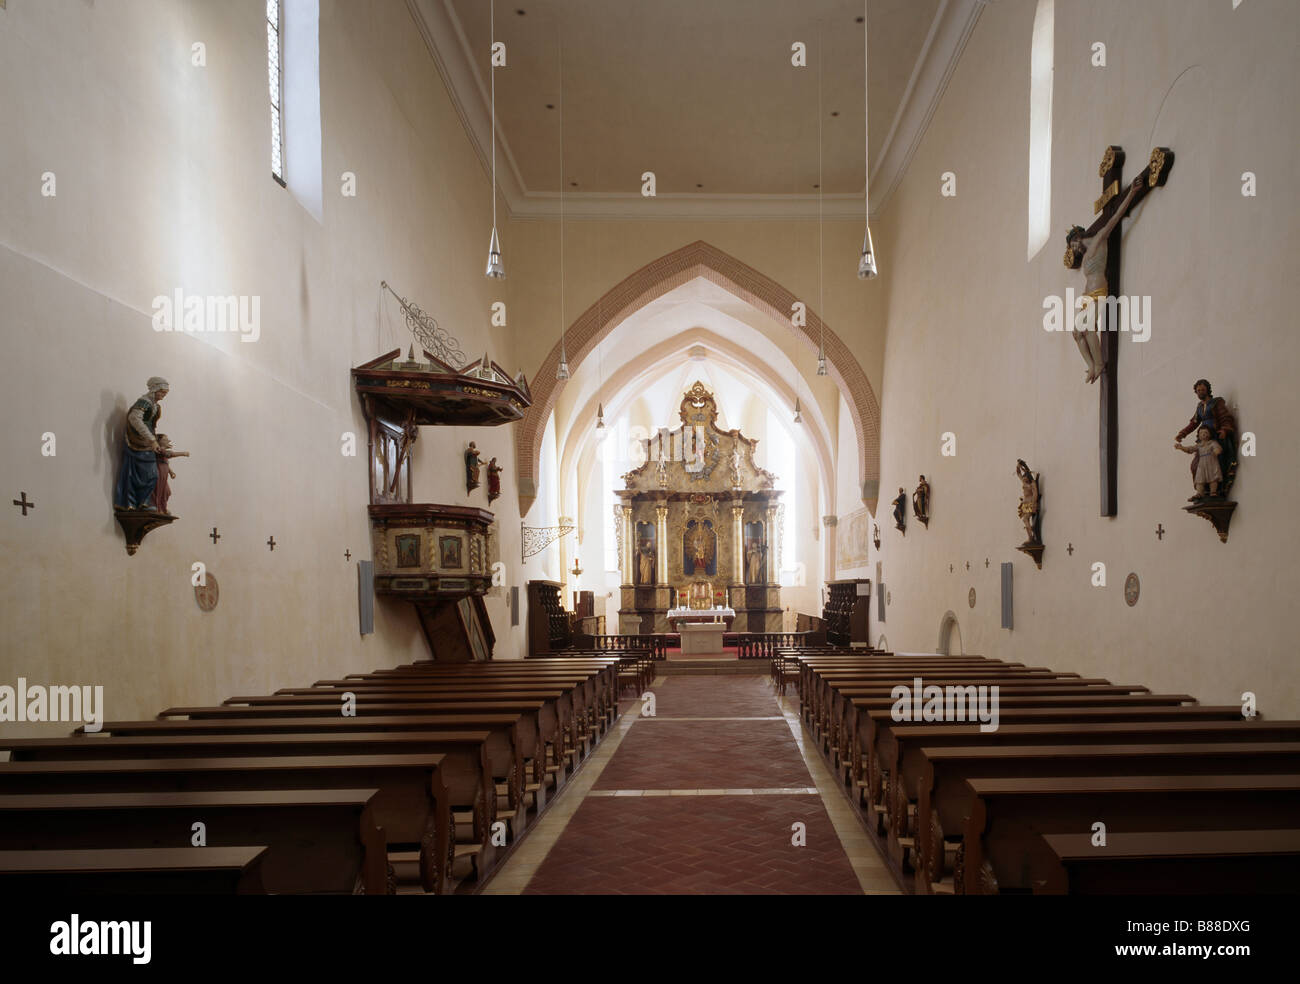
{"x":107,"y":432}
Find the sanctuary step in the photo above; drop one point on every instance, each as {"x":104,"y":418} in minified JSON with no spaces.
{"x":677,"y":665}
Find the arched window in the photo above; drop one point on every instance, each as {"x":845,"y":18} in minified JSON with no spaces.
{"x":1041,"y":67}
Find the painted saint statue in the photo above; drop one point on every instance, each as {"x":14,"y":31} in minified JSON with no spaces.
{"x":162,"y":491}
{"x":137,"y":478}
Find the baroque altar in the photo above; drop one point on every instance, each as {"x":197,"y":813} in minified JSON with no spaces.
{"x":698,"y":527}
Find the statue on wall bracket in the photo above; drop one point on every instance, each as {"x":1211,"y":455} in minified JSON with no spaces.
{"x":494,"y":480}
{"x":921,"y":502}
{"x":1214,"y":458}
{"x":900,"y":512}
{"x":875,"y":535}
{"x":471,"y":467}
{"x":137,"y":503}
{"x":1030,"y":511}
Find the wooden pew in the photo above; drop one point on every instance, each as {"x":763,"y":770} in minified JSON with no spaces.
{"x":464,"y":768}
{"x":1175,"y":862}
{"x":534,"y":728}
{"x":318,"y":840}
{"x":133,"y":871}
{"x":411,"y":805}
{"x":1002,"y":848}
{"x":542,"y":740}
{"x":569,"y":709}
{"x":944,"y":799}
{"x":502,"y":745}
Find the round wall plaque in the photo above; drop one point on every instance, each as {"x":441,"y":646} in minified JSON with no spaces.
{"x":207,"y":594}
{"x":971,"y":597}
{"x":1132,"y":588}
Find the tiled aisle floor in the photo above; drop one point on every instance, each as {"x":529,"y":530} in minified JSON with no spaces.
{"x":702,"y":798}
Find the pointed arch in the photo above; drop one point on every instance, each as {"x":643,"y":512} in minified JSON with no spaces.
{"x":652,"y":281}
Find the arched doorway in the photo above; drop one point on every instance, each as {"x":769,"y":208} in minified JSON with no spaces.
{"x":949,"y":636}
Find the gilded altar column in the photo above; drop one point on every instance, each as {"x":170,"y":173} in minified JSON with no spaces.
{"x":772,"y":534}
{"x":738,"y":544}
{"x":661,"y":564}
{"x":629,"y":558}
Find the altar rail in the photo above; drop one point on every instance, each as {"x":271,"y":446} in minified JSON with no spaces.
{"x":763,"y":645}
{"x":657,"y":642}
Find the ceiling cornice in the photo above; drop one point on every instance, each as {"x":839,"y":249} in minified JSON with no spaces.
{"x":447,"y":43}
{"x":949,"y":31}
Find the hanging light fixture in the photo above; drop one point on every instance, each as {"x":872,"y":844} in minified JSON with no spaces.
{"x":867,"y":261}
{"x":821,"y":290}
{"x":495,"y":269}
{"x":798,"y":417}
{"x":562,"y":371}
{"x":600,"y":417}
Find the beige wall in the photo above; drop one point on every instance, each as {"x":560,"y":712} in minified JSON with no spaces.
{"x":162,"y":180}
{"x":966,"y":351}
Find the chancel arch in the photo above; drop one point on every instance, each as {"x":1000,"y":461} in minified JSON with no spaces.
{"x":699,"y":260}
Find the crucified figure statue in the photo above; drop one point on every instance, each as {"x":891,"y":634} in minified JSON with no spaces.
{"x":1095,"y":251}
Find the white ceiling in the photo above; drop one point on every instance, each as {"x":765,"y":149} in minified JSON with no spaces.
{"x":702,"y":92}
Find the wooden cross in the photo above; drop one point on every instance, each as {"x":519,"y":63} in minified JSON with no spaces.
{"x":1070,"y":549}
{"x":215,"y":536}
{"x":347,"y":554}
{"x":1160,"y":531}
{"x":25,"y":503}
{"x":1113,"y":192}
{"x":986,"y":562}
{"x":271,"y":542}
{"x":968,"y":565}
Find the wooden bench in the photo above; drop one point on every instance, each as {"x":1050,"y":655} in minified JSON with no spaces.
{"x":1002,"y":848}
{"x":411,"y":805}
{"x":464,"y":768}
{"x":318,"y":840}
{"x":1175,"y":862}
{"x":944,"y":799}
{"x":133,"y":871}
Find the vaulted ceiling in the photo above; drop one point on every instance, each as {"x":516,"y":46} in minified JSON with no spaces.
{"x":702,"y":92}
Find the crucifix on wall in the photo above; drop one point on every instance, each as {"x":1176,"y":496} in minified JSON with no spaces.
{"x":1096,"y":331}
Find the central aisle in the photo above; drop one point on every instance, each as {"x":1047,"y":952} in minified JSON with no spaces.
{"x":701,"y":798}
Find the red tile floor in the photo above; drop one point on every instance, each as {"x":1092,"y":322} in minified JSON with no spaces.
{"x":708,"y":796}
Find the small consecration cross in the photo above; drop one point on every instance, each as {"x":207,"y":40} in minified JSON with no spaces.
{"x":24,"y":503}
{"x":1160,"y":531}
{"x":347,"y":554}
{"x":215,"y":536}
{"x":271,"y":542}
{"x":1070,"y":549}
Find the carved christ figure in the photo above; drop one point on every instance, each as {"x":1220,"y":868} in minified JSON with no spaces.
{"x":1095,"y":250}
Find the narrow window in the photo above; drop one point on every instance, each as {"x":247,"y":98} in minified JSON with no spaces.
{"x":275,"y":82}
{"x":1041,"y":64}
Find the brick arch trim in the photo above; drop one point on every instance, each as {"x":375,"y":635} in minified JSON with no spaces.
{"x":652,"y":281}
